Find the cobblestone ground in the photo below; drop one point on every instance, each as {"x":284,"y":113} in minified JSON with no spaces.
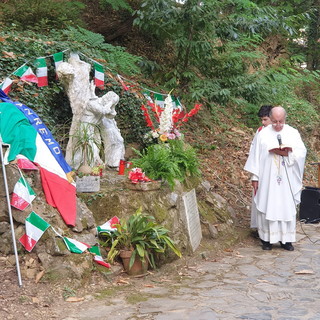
{"x":248,"y":284}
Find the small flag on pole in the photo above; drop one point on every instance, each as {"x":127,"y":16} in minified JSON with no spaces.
{"x":109,"y":226}
{"x":159,"y":100}
{"x":75,"y":246}
{"x":42,"y":72}
{"x":6,"y":85}
{"x":35,"y":228}
{"x":22,"y":194}
{"x":98,"y":75}
{"x":57,"y":58}
{"x":26,"y":73}
{"x":98,"y":258}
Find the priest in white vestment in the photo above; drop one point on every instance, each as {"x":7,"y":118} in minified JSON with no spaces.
{"x":277,"y":180}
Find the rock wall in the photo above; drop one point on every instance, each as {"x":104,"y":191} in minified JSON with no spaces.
{"x":94,"y":209}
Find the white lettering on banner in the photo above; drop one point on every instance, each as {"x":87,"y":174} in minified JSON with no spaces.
{"x":37,"y":121}
{"x":49,"y":141}
{"x":56,"y":150}
{"x":28,"y":111}
{"x":43,"y":131}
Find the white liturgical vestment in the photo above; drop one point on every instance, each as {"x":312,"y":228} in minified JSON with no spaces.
{"x":279,"y":178}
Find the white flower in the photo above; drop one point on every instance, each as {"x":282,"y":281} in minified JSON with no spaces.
{"x":155,"y":134}
{"x":166,"y":116}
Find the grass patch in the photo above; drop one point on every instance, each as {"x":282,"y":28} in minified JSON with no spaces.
{"x":136,"y":298}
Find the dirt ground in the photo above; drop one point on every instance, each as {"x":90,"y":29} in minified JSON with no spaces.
{"x":45,"y":299}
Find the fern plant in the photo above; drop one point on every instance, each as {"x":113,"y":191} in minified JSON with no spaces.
{"x":170,"y":161}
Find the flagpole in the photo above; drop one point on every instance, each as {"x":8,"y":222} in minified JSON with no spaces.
{"x":10,"y":214}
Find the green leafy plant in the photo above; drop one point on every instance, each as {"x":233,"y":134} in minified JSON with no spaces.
{"x":168,"y":161}
{"x":84,"y":141}
{"x":141,"y":234}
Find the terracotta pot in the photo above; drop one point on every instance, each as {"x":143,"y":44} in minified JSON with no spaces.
{"x":138,"y":266}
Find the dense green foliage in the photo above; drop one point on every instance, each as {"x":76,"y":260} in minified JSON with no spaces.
{"x":218,"y":52}
{"x":168,"y":161}
{"x":50,"y":102}
{"x":40,"y":15}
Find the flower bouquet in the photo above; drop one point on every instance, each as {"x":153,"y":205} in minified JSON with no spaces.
{"x":139,"y":181}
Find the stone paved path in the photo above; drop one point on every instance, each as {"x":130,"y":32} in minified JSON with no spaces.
{"x":249,"y":284}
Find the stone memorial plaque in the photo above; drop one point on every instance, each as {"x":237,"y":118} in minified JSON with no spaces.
{"x":88,"y":184}
{"x":192,"y":218}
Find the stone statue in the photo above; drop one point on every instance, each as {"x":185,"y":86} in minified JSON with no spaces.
{"x":91,"y":114}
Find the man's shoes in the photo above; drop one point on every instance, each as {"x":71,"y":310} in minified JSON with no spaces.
{"x":266,"y":245}
{"x":287,"y":246}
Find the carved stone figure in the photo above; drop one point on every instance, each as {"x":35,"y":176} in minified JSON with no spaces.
{"x":91,"y":114}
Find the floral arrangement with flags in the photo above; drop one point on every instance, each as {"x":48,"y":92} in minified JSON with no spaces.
{"x":168,"y":114}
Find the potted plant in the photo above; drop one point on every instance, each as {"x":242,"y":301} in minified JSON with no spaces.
{"x":137,"y":240}
{"x":86,"y":143}
{"x":85,"y":146}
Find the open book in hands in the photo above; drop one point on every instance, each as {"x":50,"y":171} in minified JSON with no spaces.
{"x":282,"y":150}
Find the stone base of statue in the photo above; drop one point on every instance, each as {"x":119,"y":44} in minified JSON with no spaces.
{"x":88,"y":184}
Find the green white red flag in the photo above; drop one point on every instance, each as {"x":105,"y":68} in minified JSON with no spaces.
{"x":26,"y":73}
{"x":6,"y":85}
{"x":41,"y":72}
{"x":35,"y":228}
{"x":57,"y":58}
{"x":122,"y":83}
{"x":109,"y":226}
{"x":98,"y":258}
{"x":22,"y":194}
{"x":27,"y":135}
{"x":75,"y":246}
{"x":98,"y":75}
{"x":159,"y":100}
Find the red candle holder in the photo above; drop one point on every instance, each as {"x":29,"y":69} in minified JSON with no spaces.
{"x":122,"y":166}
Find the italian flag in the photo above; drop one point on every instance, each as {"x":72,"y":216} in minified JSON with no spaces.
{"x":176,"y":103}
{"x":109,"y":225}
{"x":122,"y":83}
{"x":42,"y":72}
{"x":98,"y":258}
{"x":25,"y":164}
{"x":22,"y":194}
{"x":35,"y":228}
{"x":98,"y":75}
{"x":57,"y":58}
{"x":149,"y":99}
{"x":75,"y":246}
{"x":6,"y":85}
{"x":25,"y":133}
{"x":159,"y":100}
{"x":26,"y":73}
